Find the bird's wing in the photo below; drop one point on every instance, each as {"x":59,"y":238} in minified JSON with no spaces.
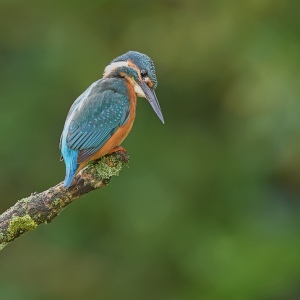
{"x":102,"y":112}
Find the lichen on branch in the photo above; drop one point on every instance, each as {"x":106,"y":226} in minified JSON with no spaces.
{"x":41,"y":208}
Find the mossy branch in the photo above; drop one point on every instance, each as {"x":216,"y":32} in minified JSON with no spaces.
{"x":41,"y":208}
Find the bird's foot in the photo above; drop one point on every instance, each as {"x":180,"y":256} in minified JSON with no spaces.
{"x":117,"y":149}
{"x":114,"y":150}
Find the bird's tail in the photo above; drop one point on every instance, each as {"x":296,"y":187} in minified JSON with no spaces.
{"x":70,"y":157}
{"x":70,"y":173}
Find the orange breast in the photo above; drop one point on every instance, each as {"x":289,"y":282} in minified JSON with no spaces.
{"x":119,"y":136}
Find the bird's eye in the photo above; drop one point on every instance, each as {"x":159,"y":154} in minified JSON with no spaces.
{"x":144,"y":73}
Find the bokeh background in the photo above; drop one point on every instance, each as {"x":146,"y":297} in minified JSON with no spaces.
{"x":209,"y":207}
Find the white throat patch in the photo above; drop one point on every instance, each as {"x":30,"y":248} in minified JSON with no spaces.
{"x":139,"y":90}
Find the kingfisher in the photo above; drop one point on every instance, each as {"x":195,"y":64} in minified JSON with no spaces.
{"x":101,"y":117}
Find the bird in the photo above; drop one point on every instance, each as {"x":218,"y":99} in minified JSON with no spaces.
{"x":102,"y":116}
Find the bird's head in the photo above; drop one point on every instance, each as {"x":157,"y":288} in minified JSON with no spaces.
{"x":139,"y":69}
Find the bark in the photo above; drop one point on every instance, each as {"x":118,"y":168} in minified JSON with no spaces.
{"x":43,"y":207}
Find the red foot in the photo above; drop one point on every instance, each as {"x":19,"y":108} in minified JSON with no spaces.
{"x":116,"y":149}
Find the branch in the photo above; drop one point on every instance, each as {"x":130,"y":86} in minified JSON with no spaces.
{"x":41,"y":208}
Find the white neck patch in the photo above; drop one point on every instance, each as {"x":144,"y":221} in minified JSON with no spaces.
{"x":110,"y":68}
{"x":139,"y":91}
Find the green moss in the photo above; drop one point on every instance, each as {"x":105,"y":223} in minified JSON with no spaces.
{"x":24,"y":200}
{"x":103,"y":170}
{"x":2,"y":245}
{"x":20,"y":225}
{"x":56,"y":202}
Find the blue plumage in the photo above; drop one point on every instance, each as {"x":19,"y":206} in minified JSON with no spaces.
{"x":91,"y":127}
{"x":70,"y":157}
{"x":141,"y":60}
{"x":92,"y":120}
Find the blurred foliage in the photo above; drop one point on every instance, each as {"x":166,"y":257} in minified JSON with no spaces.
{"x":209,"y":207}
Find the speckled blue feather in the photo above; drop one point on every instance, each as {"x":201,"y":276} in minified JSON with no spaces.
{"x":92,"y":120}
{"x":98,"y":113}
{"x":142,"y":61}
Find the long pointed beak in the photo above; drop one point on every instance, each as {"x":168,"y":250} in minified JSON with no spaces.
{"x":151,"y":97}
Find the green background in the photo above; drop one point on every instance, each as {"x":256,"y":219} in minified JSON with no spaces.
{"x":209,"y":207}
